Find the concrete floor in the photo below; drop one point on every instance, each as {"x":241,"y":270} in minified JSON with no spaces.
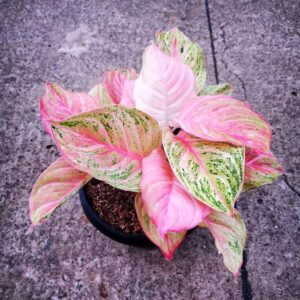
{"x":72,"y":43}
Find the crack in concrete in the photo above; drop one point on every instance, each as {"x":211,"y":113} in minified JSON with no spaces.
{"x":223,"y":36}
{"x":246,"y":286}
{"x":212,"y":41}
{"x":290,"y":187}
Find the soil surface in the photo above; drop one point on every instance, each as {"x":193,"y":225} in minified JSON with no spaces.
{"x":115,"y":206}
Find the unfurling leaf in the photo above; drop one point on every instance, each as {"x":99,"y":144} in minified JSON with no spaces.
{"x":212,"y":172}
{"x":230,"y":237}
{"x":167,"y":243}
{"x":260,"y":169}
{"x":164,"y":86}
{"x":224,"y":89}
{"x":176,"y":44}
{"x":223,"y":119}
{"x":53,"y":187}
{"x":58,"y":104}
{"x":169,"y":205}
{"x":115,"y":82}
{"x":109,"y":143}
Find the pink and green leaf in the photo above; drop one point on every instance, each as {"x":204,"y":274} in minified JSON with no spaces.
{"x":260,"y":169}
{"x":223,"y":88}
{"x":116,"y":83}
{"x":224,"y":119}
{"x":230,"y":236}
{"x":167,"y":243}
{"x":54,"y":187}
{"x":169,"y":205}
{"x":58,"y":104}
{"x":176,"y":44}
{"x":98,"y":92}
{"x":109,"y":143}
{"x":212,"y":172}
{"x":164,"y":86}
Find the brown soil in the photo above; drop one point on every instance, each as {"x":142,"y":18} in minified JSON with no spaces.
{"x":115,"y":206}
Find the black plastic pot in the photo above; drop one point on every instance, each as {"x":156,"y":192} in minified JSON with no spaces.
{"x":132,"y":239}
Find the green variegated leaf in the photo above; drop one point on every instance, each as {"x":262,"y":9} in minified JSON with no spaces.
{"x":223,"y":88}
{"x":109,"y":143}
{"x":126,"y":185}
{"x":230,"y":237}
{"x":99,"y":93}
{"x":212,"y":172}
{"x":176,"y":44}
{"x":167,"y":243}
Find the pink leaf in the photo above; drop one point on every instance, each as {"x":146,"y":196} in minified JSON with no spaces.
{"x":169,"y":205}
{"x":116,"y":81}
{"x":167,"y":243}
{"x":230,"y":237}
{"x":58,"y":104}
{"x":109,"y":143}
{"x":127,"y":95}
{"x":164,"y":86}
{"x":224,"y":119}
{"x":260,"y":169}
{"x":53,"y":187}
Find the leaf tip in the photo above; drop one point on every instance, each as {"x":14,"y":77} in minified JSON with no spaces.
{"x":168,"y":256}
{"x":236,"y":274}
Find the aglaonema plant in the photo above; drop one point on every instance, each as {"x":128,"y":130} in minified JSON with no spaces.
{"x":188,"y":149}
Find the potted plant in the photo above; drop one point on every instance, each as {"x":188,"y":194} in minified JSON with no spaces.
{"x":160,"y":149}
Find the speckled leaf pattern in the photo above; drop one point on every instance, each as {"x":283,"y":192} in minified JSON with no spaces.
{"x":167,"y":243}
{"x":230,"y":237}
{"x":176,"y":44}
{"x":164,"y":85}
{"x":101,"y":95}
{"x":58,"y":104}
{"x":169,"y":205}
{"x":53,"y":187}
{"x":224,"y":119}
{"x":223,"y":88}
{"x":115,"y":82}
{"x":109,"y":143}
{"x":212,"y":172}
{"x":260,"y":169}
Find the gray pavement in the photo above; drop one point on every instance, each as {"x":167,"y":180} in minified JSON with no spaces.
{"x":72,"y":43}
